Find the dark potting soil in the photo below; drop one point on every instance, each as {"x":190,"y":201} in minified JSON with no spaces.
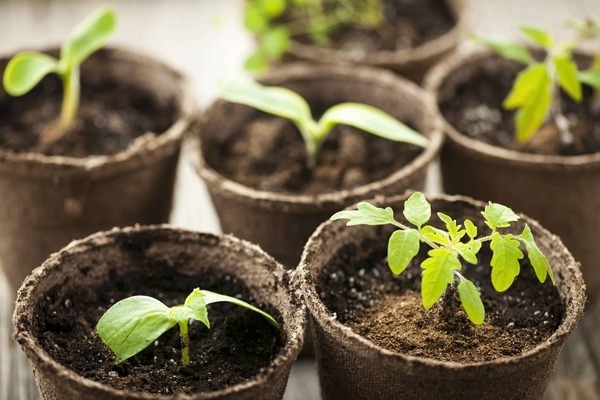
{"x":475,"y":109}
{"x":110,"y":119}
{"x":239,"y":344}
{"x":387,"y":309}
{"x":410,"y":24}
{"x":269,"y":154}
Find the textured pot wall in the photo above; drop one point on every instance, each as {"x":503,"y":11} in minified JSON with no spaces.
{"x":412,"y":63}
{"x":281,"y":223}
{"x":563,"y":193}
{"x":380,"y":374}
{"x":49,"y":201}
{"x":115,"y":253}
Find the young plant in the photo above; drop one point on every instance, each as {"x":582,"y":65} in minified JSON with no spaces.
{"x":275,"y":22}
{"x":535,"y":93}
{"x":443,"y":265}
{"x":25,"y":70}
{"x":132,"y":324}
{"x":288,"y":104}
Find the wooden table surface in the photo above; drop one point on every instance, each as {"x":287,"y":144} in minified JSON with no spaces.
{"x":205,"y":40}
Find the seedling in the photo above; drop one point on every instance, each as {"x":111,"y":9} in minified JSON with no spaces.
{"x":275,"y":22}
{"x":535,"y":92}
{"x":285,"y":103}
{"x":443,"y":265}
{"x":132,"y":324}
{"x":25,"y":70}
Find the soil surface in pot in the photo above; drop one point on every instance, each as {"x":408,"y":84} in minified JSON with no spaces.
{"x":268,"y":153}
{"x":359,"y":287}
{"x":110,"y":119}
{"x":239,"y":344}
{"x":475,"y":109}
{"x":410,"y":24}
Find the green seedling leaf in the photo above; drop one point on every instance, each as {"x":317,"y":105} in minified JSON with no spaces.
{"x":566,"y":70}
{"x":471,"y":301}
{"x":466,"y":251}
{"x":403,"y":246}
{"x":417,"y":209}
{"x":538,"y":36}
{"x":26,"y":70}
{"x":275,"y":43}
{"x":369,"y":119}
{"x":530,"y":118}
{"x":505,"y":261}
{"x":538,"y":260}
{"x":590,"y":78}
{"x":133,"y":324}
{"x":366,"y":214}
{"x":436,"y":235}
{"x":454,"y":230}
{"x":89,"y":36}
{"x":254,"y":18}
{"x":471,"y":228}
{"x":510,"y":50}
{"x":528,"y":82}
{"x":256,"y":62}
{"x":437,"y":275}
{"x":498,"y":216}
{"x":273,"y":100}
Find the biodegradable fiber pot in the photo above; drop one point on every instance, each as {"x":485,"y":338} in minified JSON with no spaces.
{"x":47,"y":201}
{"x":377,"y":373}
{"x":132,"y":255}
{"x":281,"y":222}
{"x":411,"y":63}
{"x":562,"y":192}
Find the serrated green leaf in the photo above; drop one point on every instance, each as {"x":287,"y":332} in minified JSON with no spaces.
{"x":273,"y":100}
{"x":436,"y":235}
{"x":538,"y":260}
{"x":133,"y":324}
{"x":471,"y":228}
{"x":590,"y":78}
{"x":454,"y":230}
{"x":275,"y":43}
{"x":466,"y":252}
{"x":475,"y":246}
{"x":538,"y":36}
{"x":369,"y":119}
{"x":498,"y":216}
{"x":437,"y":275}
{"x":529,"y":81}
{"x":211,"y":297}
{"x":417,"y":209}
{"x":403,"y":246}
{"x":471,"y":301}
{"x":566,"y":71}
{"x":25,"y":70}
{"x":505,"y":261}
{"x":89,"y":35}
{"x":366,"y":214}
{"x":510,"y":50}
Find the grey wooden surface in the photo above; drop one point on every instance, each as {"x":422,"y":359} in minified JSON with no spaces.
{"x":204,"y":39}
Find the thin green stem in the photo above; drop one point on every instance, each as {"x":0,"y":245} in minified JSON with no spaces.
{"x":185,"y":342}
{"x":71,"y":93}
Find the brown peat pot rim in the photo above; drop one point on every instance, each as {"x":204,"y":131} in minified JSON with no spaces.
{"x":26,"y":298}
{"x":435,"y":80}
{"x":459,"y":10}
{"x":307,"y":71}
{"x":134,"y":157}
{"x":573,"y":309}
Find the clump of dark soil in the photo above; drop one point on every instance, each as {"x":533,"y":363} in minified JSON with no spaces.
{"x":239,"y":344}
{"x":387,"y":309}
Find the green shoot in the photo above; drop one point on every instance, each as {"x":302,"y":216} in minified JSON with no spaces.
{"x":276,"y":22}
{"x":535,"y":93}
{"x":288,"y":104}
{"x":132,"y":324}
{"x":25,"y":70}
{"x":443,"y":265}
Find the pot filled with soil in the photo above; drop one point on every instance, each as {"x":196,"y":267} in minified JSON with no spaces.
{"x":255,"y":165}
{"x":241,"y":356}
{"x":404,"y":336}
{"x":555,"y":182}
{"x":115,"y":166}
{"x":405,"y":36}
